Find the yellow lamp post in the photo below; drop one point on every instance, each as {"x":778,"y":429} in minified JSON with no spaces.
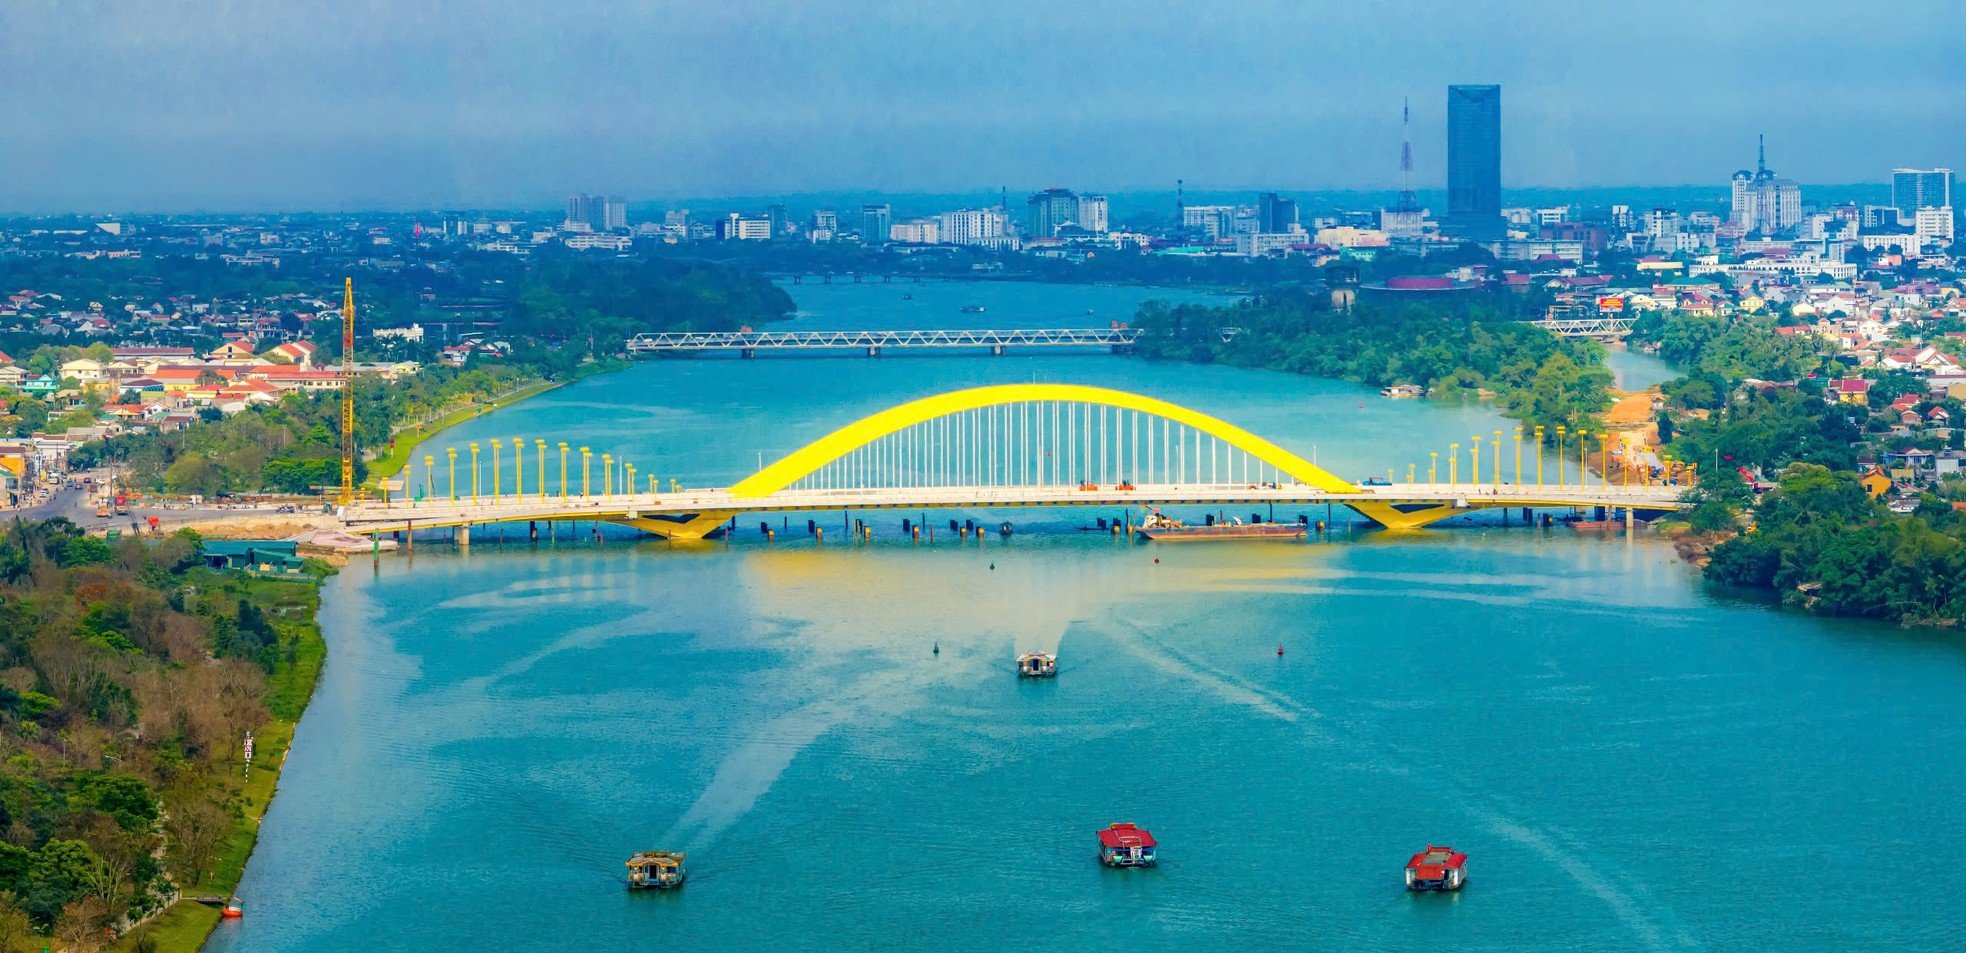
{"x":1583,"y":459}
{"x":1433,"y":466}
{"x":1495,"y":453}
{"x":497,"y":475}
{"x":1453,"y":463}
{"x":1517,"y":480}
{"x":1474,"y":454}
{"x":1539,"y":456}
{"x":563,"y":469}
{"x":1604,"y":457}
{"x":539,"y":454}
{"x":452,"y":452}
{"x":607,"y":474}
{"x":1410,"y":471}
{"x":429,"y":478}
{"x":628,"y":485}
{"x":518,"y":467}
{"x":586,"y":475}
{"x":1560,"y":430}
{"x":474,"y":471}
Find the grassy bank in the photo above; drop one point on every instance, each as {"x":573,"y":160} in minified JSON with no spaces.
{"x":407,"y":440}
{"x":292,"y":607}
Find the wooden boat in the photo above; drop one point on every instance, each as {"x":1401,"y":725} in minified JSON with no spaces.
{"x":656,"y":870}
{"x":1126,"y":845}
{"x":1437,"y":868}
{"x":1037,"y":665}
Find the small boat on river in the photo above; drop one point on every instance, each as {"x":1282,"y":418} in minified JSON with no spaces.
{"x":1037,"y":665}
{"x":656,"y":870}
{"x":1437,"y":868}
{"x":1126,"y":845}
{"x":971,"y":309}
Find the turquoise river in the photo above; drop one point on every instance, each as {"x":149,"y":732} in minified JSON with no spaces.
{"x":1631,"y":761}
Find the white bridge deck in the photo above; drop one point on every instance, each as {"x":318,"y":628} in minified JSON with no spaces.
{"x":397,"y":514}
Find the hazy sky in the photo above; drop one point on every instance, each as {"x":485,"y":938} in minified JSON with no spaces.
{"x":237,"y":104}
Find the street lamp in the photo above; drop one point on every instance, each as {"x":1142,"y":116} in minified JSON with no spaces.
{"x":586,"y":475}
{"x":563,"y":469}
{"x":429,"y":478}
{"x":474,"y":471}
{"x":628,"y":485}
{"x":518,"y":467}
{"x":1453,"y":463}
{"x":1518,"y":457}
{"x":1433,"y":466}
{"x":497,"y":476}
{"x":452,"y":452}
{"x":1495,"y":448}
{"x":607,"y":474}
{"x":539,"y":454}
{"x":1474,"y":454}
{"x":1583,"y":459}
{"x":1560,"y":431}
{"x":1539,"y":456}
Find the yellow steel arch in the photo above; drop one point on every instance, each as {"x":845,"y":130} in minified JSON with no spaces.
{"x":853,"y":436}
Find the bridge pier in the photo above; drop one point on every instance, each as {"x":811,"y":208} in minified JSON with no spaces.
{"x":874,"y":352}
{"x":996,"y":350}
{"x":463,"y":535}
{"x":532,"y":530}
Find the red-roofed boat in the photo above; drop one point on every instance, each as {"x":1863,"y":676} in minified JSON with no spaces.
{"x":1125,"y":845}
{"x":1437,"y":868}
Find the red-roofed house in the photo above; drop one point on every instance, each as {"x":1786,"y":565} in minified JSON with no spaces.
{"x":1850,"y":390}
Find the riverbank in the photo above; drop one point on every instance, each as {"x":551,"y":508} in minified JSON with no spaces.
{"x":293,"y":608}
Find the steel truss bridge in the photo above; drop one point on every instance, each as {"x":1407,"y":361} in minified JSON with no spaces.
{"x":1603,"y":326}
{"x":1016,"y":445}
{"x":872,"y":343}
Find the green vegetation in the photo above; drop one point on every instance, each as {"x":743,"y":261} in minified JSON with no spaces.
{"x":1753,"y":402}
{"x":129,"y":678}
{"x":1458,"y":352}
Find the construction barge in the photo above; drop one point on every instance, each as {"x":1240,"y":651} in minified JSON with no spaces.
{"x":1163,"y":528}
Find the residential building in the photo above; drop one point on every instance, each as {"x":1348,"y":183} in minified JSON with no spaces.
{"x":1213,"y":221}
{"x":875,"y":220}
{"x":919,"y":231}
{"x":982,"y":226}
{"x":1914,"y":189}
{"x":1092,"y":213}
{"x":735,"y":227}
{"x":1932,"y":226}
{"x":1474,"y":161}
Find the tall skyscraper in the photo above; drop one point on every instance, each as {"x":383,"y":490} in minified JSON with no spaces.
{"x":1474,"y":161}
{"x":1763,"y":202}
{"x":1275,"y":214}
{"x":875,"y":222}
{"x":613,"y":214}
{"x":1913,"y":189}
{"x":1050,"y":210}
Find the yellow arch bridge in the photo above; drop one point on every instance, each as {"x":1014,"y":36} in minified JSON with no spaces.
{"x":1014,"y":445}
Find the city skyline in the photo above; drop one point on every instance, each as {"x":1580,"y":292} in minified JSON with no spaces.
{"x":237,"y":108}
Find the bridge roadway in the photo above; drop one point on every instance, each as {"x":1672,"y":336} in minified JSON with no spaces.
{"x":692,"y":513}
{"x":874,"y":342}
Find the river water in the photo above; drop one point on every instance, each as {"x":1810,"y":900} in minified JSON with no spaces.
{"x":1630,"y":760}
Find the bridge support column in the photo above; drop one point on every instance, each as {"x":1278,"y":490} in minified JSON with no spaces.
{"x":532,"y":530}
{"x":873,"y":352}
{"x":409,"y":537}
{"x":464,"y":535}
{"x":1630,"y":521}
{"x":996,"y":350}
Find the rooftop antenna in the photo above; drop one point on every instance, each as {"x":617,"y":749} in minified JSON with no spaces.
{"x":348,"y":391}
{"x":1760,"y":153}
{"x":1180,"y":197}
{"x":1407,"y":202}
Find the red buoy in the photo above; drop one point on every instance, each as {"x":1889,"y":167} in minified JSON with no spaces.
{"x":1279,"y":651}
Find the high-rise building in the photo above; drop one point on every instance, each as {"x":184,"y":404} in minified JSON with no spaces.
{"x":1914,"y":189}
{"x":987,"y":227}
{"x":613,"y":214}
{"x":919,"y":231}
{"x":1933,"y":226}
{"x":1050,"y":210}
{"x":875,"y":221}
{"x":1092,"y":213}
{"x":1275,"y":214}
{"x":1763,"y":202}
{"x":1474,"y":161}
{"x":825,"y":220}
{"x":781,"y":220}
{"x":1211,"y":221}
